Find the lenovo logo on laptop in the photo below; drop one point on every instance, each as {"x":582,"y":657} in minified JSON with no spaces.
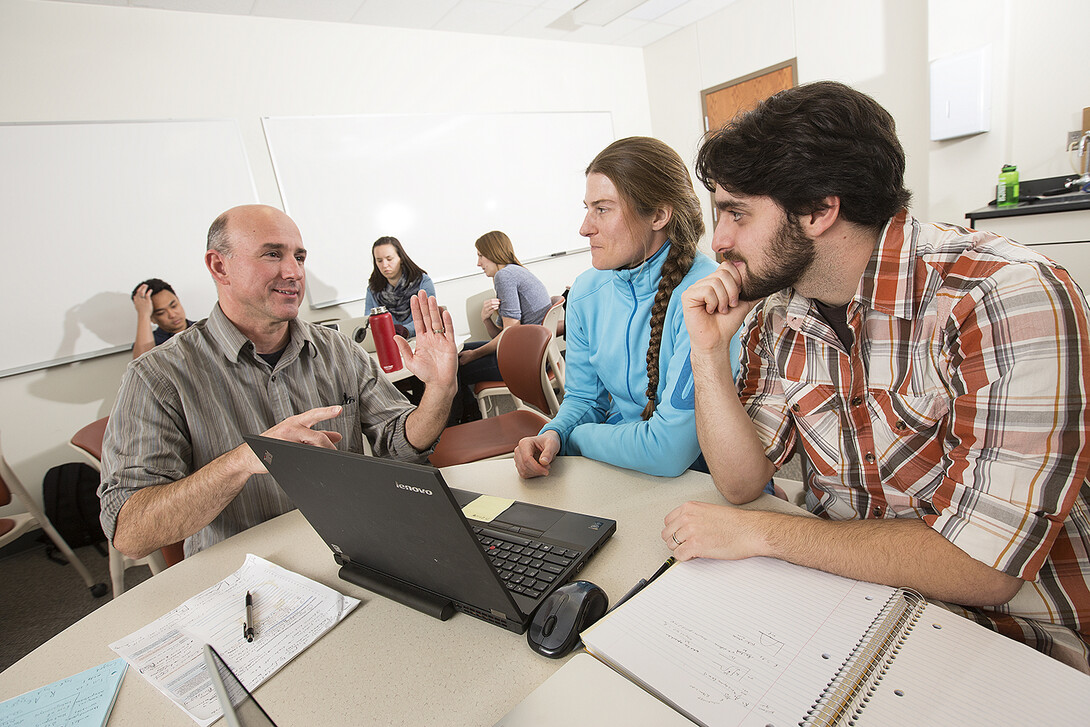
{"x":410,"y":488}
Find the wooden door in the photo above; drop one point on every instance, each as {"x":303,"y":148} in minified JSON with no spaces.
{"x":723,"y":102}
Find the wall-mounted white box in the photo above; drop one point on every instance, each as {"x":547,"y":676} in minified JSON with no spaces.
{"x":961,"y":94}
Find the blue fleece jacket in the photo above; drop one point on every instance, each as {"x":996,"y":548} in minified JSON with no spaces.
{"x":607,"y":328}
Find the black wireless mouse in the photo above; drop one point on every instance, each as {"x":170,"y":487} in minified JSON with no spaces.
{"x":554,"y":630}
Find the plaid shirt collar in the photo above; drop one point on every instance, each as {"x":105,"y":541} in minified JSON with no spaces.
{"x":887,"y":283}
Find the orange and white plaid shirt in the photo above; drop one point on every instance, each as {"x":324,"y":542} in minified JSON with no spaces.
{"x":964,"y":401}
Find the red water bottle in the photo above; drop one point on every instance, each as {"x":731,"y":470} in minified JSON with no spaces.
{"x":382,"y":328}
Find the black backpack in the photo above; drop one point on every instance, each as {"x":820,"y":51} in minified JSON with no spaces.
{"x":71,"y":503}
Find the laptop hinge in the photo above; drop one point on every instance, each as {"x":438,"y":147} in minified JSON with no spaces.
{"x":404,"y":593}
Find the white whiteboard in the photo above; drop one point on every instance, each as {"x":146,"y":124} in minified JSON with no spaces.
{"x":436,"y":182}
{"x":89,"y":210}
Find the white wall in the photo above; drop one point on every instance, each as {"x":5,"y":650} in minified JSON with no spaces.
{"x":878,"y":47}
{"x":1040,"y":84}
{"x":68,"y":61}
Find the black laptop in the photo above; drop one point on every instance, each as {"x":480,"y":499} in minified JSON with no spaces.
{"x":397,"y":529}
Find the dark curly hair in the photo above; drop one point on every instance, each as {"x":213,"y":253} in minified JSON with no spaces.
{"x":807,"y":143}
{"x":155,"y":285}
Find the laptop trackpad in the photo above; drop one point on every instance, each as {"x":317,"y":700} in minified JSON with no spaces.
{"x":524,"y":515}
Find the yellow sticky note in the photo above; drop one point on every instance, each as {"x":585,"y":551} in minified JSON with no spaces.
{"x":486,"y":508}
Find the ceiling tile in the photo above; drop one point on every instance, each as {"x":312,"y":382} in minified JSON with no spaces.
{"x":220,"y":7}
{"x":96,"y":2}
{"x":605,"y":34}
{"x":647,"y":34}
{"x":649,"y":22}
{"x":653,"y":9}
{"x":693,"y":11}
{"x":535,"y":24}
{"x":482,"y":16}
{"x":329,"y":10}
{"x":402,"y":14}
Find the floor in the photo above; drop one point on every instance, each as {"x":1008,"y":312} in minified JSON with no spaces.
{"x":40,"y":597}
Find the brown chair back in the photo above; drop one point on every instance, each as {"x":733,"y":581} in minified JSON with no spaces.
{"x":5,"y":493}
{"x":89,"y":439}
{"x":522,"y":356}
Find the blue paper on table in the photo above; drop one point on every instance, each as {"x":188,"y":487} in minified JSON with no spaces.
{"x":82,"y":700}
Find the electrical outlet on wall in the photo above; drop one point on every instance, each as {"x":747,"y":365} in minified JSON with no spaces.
{"x":1073,"y":137}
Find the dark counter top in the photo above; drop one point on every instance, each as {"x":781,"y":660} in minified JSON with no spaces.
{"x":1032,"y":204}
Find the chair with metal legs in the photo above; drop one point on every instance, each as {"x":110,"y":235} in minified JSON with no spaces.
{"x":88,"y":442}
{"x":14,"y":526}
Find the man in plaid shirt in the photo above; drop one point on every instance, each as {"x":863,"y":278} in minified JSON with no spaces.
{"x":933,"y":378}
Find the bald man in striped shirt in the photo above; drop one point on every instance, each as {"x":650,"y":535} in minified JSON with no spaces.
{"x":175,"y":466}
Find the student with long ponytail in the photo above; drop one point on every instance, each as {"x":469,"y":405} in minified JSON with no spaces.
{"x":628,"y":398}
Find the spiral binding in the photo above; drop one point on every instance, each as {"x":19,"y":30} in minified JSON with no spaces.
{"x":847,"y":693}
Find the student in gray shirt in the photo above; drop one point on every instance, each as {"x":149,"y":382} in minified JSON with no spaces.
{"x":520,"y":298}
{"x":174,"y":463}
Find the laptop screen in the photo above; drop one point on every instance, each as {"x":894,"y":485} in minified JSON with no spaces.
{"x":240,"y":709}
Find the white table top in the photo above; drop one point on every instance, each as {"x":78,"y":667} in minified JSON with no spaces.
{"x":385,"y":664}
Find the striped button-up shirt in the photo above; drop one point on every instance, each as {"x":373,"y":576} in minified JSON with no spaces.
{"x":190,"y":400}
{"x":962,"y":401}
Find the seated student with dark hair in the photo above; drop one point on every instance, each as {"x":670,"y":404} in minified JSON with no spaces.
{"x":156,"y":302}
{"x":934,"y":377}
{"x":395,"y":280}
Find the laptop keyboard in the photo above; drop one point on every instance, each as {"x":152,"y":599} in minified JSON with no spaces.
{"x":525,"y":565}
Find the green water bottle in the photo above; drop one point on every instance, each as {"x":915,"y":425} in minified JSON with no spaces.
{"x":1006,"y":192}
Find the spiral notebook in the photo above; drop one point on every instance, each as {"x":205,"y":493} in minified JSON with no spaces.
{"x":766,"y":643}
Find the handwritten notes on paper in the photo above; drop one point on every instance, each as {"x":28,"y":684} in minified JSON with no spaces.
{"x":82,"y":700}
{"x":718,"y":641}
{"x":290,"y":613}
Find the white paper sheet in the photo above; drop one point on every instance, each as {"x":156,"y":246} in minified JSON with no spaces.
{"x":751,"y":642}
{"x":290,"y":613}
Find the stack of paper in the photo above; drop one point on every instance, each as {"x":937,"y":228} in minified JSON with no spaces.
{"x":290,"y":613}
{"x":83,"y":700}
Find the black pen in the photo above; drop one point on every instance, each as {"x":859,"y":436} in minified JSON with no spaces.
{"x":248,"y":629}
{"x":662,"y":569}
{"x":644,"y":581}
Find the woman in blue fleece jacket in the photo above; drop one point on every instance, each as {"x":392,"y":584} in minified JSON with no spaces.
{"x":629,"y":397}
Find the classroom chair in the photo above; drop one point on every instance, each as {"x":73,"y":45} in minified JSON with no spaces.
{"x":554,"y":321}
{"x":14,"y":526}
{"x":489,"y":393}
{"x":357,"y":330}
{"x":88,"y":443}
{"x":477,"y":330}
{"x":522,"y":354}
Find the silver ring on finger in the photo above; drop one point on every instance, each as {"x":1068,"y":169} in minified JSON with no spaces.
{"x":673,"y":536}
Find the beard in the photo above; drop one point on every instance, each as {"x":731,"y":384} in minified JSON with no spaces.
{"x":789,"y":256}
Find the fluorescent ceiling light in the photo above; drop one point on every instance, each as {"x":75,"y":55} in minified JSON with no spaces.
{"x":602,"y":12}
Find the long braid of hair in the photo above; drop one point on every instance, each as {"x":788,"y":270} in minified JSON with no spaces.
{"x":674,"y":268}
{"x":651,"y":176}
